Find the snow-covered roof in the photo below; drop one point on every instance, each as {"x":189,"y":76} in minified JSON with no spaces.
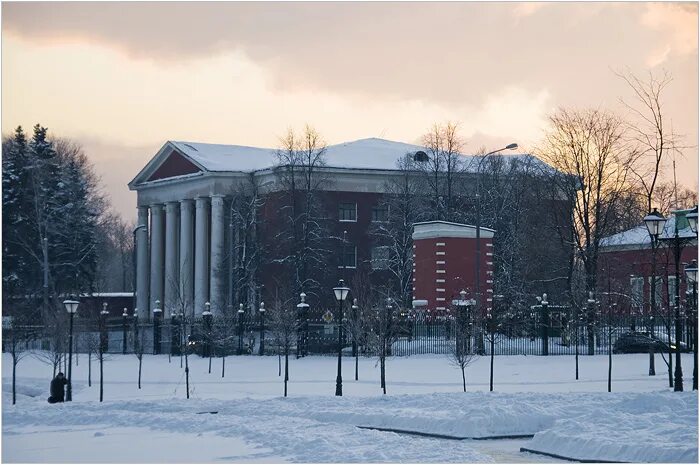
{"x":638,"y":237}
{"x":372,"y":153}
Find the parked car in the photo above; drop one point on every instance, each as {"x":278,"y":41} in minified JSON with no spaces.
{"x":639,"y":342}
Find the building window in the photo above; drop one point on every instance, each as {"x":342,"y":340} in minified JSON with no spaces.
{"x":637,"y":287}
{"x":380,"y":214}
{"x":671,"y":289}
{"x":380,"y":258}
{"x":659,"y":291}
{"x":348,"y":258}
{"x":347,"y":212}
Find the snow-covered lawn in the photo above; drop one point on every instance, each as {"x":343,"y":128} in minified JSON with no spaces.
{"x":640,"y":421}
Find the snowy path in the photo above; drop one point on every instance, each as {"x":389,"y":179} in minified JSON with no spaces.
{"x":253,"y":424}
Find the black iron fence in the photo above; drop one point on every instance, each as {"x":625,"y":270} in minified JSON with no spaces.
{"x":555,"y":332}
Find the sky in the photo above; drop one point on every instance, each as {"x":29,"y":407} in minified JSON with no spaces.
{"x":123,"y":78}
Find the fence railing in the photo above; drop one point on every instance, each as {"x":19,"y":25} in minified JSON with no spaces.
{"x":526,"y":336}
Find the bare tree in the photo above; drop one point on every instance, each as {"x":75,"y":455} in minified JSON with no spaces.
{"x":649,"y":130}
{"x":445,"y":162}
{"x":382,"y":334}
{"x":591,"y":164}
{"x":284,"y":326}
{"x":299,"y":170}
{"x":404,"y":203}
{"x":245,"y":255}
{"x":461,"y":354}
{"x":19,"y":338}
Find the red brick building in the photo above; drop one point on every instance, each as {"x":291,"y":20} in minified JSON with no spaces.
{"x":444,"y":264}
{"x":625,"y":265}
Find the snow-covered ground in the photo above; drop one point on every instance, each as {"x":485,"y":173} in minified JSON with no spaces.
{"x":640,"y":421}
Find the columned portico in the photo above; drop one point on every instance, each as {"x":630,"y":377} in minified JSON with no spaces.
{"x":157,"y":261}
{"x":170,"y":303}
{"x":201,"y":257}
{"x":186,"y":256}
{"x":142,"y":271}
{"x":216,"y":293}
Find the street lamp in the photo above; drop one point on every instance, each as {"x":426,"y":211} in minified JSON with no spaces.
{"x":691,"y":272}
{"x":133,"y":259}
{"x":125,"y":317}
{"x":206,"y":316}
{"x":103,"y":320}
{"x":156,"y":328}
{"x":71,"y":308}
{"x":341,"y":293}
{"x":678,"y":242}
{"x":692,"y":218}
{"x":477,"y":274}
{"x":262,"y":328}
{"x":241,"y":312}
{"x":302,"y":313}
{"x":655,"y":223}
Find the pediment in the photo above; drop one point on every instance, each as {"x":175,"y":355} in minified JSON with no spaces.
{"x":174,"y":165}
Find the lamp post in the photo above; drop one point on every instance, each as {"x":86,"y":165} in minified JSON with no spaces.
{"x":678,"y":242}
{"x":133,"y":264}
{"x":477,"y":270}
{"x":302,"y":311}
{"x":241,"y":312}
{"x":655,"y":223}
{"x":691,"y":272}
{"x":104,"y":338}
{"x":71,"y":308}
{"x":262,"y":328}
{"x":156,"y":328}
{"x":125,"y":317}
{"x":341,"y":293}
{"x":545,"y":324}
{"x":206,"y":317}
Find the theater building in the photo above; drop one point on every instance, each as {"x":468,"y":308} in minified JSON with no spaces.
{"x":185,"y":227}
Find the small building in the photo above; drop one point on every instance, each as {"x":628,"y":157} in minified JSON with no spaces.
{"x":625,"y":265}
{"x":444,"y":263}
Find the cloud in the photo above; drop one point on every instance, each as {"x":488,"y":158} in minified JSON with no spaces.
{"x":677,"y":24}
{"x":525,"y":9}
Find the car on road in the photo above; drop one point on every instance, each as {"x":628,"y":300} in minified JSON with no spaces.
{"x":639,"y":342}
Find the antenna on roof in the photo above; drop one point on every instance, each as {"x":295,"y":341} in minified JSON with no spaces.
{"x":381,"y":134}
{"x":190,"y":147}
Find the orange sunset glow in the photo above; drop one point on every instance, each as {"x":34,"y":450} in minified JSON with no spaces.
{"x":122,"y":78}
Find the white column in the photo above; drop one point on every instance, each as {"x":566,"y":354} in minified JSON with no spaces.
{"x":157,"y":263}
{"x":142,"y":270}
{"x":170,"y":303}
{"x":217,"y":272}
{"x":186,"y":255}
{"x":201,"y":255}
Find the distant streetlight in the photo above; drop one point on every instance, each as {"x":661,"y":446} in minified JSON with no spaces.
{"x":156,"y":328}
{"x":477,"y":274}
{"x":341,"y":293}
{"x":241,"y":312}
{"x":655,"y":223}
{"x":262,"y":328}
{"x":71,"y":308}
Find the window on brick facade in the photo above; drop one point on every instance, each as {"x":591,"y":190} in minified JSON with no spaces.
{"x":659,"y":291}
{"x":637,"y":286}
{"x":348,"y":257}
{"x":380,"y":258}
{"x":347,"y":212}
{"x":671,"y":289}
{"x":380,"y":213}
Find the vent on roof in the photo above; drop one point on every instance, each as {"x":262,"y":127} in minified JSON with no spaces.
{"x":420,"y":156}
{"x":191,"y":147}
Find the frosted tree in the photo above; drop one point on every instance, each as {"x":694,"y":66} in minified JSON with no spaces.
{"x":303,"y":236}
{"x":442,"y":169}
{"x":284,"y":325}
{"x":592,"y":162}
{"x":404,"y":204}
